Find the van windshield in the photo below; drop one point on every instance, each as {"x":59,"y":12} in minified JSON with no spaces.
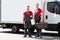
{"x":58,"y":3}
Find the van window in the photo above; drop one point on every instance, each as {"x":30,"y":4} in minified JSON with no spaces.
{"x":51,"y":7}
{"x":57,"y":7}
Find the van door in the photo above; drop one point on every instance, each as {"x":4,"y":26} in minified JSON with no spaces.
{"x":0,"y":10}
{"x":49,"y":14}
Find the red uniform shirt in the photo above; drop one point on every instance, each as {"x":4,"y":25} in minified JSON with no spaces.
{"x":39,"y":11}
{"x":29,"y":12}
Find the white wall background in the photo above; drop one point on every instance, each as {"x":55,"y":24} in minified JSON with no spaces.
{"x":12,"y":10}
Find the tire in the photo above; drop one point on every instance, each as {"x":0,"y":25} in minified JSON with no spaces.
{"x":59,"y":29}
{"x":32,"y":30}
{"x":15,"y":29}
{"x":58,"y":32}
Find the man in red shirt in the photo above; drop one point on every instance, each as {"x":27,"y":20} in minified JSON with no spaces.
{"x":27,"y":15}
{"x":38,"y":19}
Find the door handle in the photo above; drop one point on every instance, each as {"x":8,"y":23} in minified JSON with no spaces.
{"x":46,"y":17}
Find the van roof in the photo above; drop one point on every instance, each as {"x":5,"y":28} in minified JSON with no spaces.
{"x":51,"y":0}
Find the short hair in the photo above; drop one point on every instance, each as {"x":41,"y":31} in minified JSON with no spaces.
{"x":37,"y":4}
{"x":28,"y":6}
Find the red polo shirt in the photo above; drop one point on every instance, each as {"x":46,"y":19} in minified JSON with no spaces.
{"x":39,"y":11}
{"x":29,"y":12}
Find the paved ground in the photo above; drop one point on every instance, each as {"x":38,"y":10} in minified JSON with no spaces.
{"x":6,"y":34}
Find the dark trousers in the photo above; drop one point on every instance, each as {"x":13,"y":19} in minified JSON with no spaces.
{"x":27,"y":26}
{"x":29,"y":31}
{"x":38,"y":27}
{"x":39,"y":32}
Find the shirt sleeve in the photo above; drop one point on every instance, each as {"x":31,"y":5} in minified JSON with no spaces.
{"x":31,"y":13}
{"x":24,"y":13}
{"x":40,"y":10}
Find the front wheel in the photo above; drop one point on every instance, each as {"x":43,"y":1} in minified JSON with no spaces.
{"x":58,"y":32}
{"x":15,"y":29}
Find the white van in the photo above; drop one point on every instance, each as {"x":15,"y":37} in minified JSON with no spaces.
{"x":52,"y":14}
{"x":11,"y":13}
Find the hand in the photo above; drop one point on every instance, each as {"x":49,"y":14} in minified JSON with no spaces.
{"x":31,"y":17}
{"x":41,"y":21}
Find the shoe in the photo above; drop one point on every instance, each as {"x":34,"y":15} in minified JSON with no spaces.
{"x":37,"y":36}
{"x":40,"y":36}
{"x":30,"y":36}
{"x":25,"y":36}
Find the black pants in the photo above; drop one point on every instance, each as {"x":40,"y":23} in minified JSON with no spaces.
{"x":28,"y":26}
{"x":39,"y":32}
{"x":37,"y":27}
{"x":29,"y":31}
